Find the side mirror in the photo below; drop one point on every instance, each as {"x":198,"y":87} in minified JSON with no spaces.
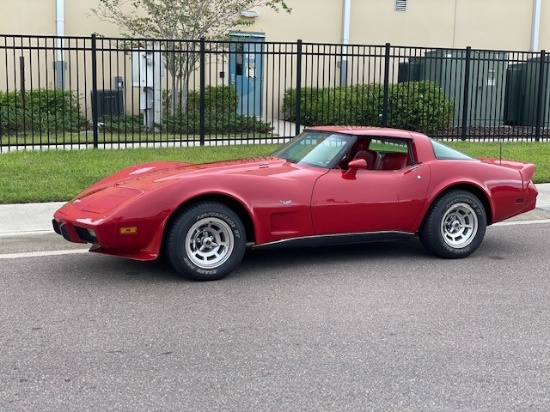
{"x":357,"y":164}
{"x":353,"y":166}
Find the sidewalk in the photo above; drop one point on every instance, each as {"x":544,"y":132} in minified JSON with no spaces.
{"x":36,"y":217}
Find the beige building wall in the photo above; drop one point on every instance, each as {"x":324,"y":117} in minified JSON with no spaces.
{"x":33,"y":17}
{"x":39,"y":17}
{"x":485,"y":24}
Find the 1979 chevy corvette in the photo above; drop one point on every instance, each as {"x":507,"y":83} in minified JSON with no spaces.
{"x":337,"y":184}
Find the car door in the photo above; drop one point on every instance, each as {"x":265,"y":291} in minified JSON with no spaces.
{"x":370,"y":201}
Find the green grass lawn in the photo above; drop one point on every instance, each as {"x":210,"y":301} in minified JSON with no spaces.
{"x":57,"y":175}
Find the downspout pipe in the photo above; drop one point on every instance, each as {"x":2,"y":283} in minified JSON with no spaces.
{"x":535,"y":26}
{"x":346,"y":23}
{"x":59,"y":64}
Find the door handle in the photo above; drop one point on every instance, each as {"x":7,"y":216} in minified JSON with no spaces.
{"x":415,"y":167}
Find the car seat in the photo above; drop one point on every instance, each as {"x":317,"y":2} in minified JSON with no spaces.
{"x":359,"y":151}
{"x":394,"y":161}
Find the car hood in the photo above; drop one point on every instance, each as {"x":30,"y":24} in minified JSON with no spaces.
{"x":150,"y":176}
{"x":122,"y":188}
{"x":153,"y":175}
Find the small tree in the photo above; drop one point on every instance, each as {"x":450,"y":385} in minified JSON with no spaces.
{"x":179,"y":20}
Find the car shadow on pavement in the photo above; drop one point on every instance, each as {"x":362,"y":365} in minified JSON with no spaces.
{"x":257,"y":262}
{"x":277,"y":262}
{"x":402,"y":256}
{"x":300,"y":259}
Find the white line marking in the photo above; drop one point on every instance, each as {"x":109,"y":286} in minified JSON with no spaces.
{"x":42,"y":254}
{"x":522,"y":222}
{"x":27,"y":233}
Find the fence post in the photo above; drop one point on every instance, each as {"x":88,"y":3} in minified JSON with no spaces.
{"x":202,"y":91}
{"x":22,"y":85}
{"x":385,"y":104}
{"x":466,"y":102}
{"x":542,"y":91}
{"x":298,"y":86}
{"x":95,"y":106}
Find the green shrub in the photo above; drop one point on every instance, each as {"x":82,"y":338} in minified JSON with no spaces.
{"x":10,"y":99}
{"x":221,"y":99}
{"x":44,"y":122}
{"x":127,"y":123}
{"x":40,"y":100}
{"x":311,"y":104}
{"x":12,"y":120}
{"x":357,"y":105}
{"x":41,"y":111}
{"x":221,"y":104}
{"x":216,"y":99}
{"x":420,"y":106}
{"x":220,"y":116}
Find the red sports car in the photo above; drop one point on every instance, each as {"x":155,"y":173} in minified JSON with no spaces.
{"x":335,"y":184}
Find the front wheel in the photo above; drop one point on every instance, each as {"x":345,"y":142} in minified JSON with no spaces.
{"x":206,"y":241}
{"x":454,"y":226}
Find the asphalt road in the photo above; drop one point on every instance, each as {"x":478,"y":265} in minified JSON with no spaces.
{"x":382,"y":327}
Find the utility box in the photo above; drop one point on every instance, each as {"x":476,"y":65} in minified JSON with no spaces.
{"x":534,"y":85}
{"x":409,"y":71}
{"x":109,"y":103}
{"x":514,"y":98}
{"x":487,"y":82}
{"x":147,"y":71}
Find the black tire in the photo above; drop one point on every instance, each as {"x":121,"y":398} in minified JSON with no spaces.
{"x":205,"y":242}
{"x":454,"y":226}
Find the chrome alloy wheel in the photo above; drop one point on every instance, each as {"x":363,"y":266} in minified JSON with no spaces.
{"x":459,"y":225}
{"x":209,"y":242}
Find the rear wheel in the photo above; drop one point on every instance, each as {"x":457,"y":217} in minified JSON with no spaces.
{"x":206,"y":241}
{"x":454,"y":226}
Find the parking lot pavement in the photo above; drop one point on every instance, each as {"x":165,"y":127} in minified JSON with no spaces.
{"x":16,"y":219}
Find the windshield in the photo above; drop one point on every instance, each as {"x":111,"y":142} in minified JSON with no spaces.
{"x":443,"y":152}
{"x":314,"y":148}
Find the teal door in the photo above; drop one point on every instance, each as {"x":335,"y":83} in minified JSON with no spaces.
{"x":246,"y":71}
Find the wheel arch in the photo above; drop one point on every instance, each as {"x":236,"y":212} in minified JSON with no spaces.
{"x":467,"y":187}
{"x":226,"y":200}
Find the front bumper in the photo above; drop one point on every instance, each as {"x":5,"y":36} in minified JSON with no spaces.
{"x":73,"y":233}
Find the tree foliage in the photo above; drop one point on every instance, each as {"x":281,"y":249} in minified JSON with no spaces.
{"x":179,"y":19}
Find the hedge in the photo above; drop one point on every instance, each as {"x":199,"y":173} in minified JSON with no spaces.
{"x":42,"y":111}
{"x":220,"y":116}
{"x":189,"y":123}
{"x":216,"y":99}
{"x":420,"y":106}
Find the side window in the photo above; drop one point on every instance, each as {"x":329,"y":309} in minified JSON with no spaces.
{"x":393,"y":154}
{"x":389,"y":146}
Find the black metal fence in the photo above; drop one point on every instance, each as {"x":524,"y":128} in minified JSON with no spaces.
{"x":76,"y":92}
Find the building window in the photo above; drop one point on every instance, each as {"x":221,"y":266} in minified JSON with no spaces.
{"x":400,"y":5}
